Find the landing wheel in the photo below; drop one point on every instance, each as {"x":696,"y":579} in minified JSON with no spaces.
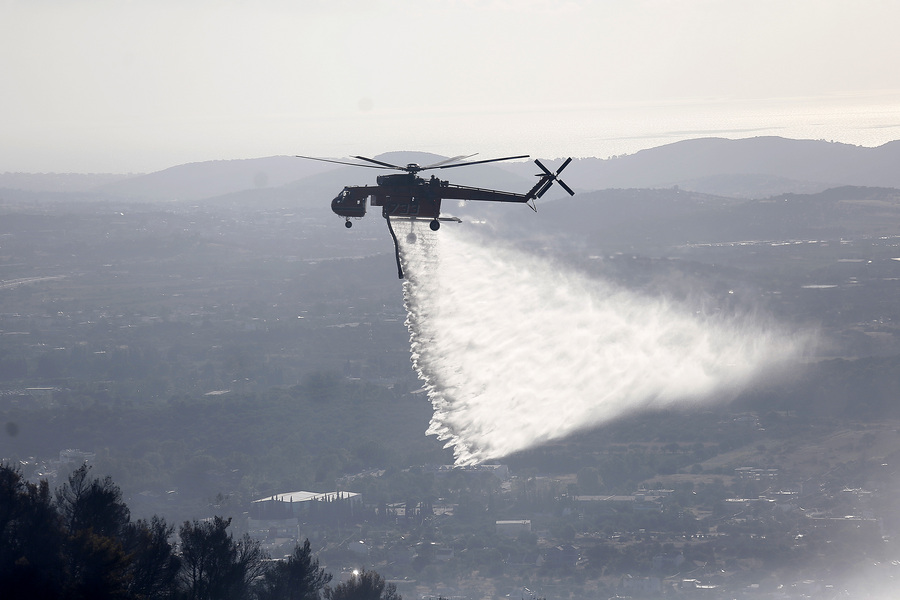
{"x":435,"y":225}
{"x":348,"y":224}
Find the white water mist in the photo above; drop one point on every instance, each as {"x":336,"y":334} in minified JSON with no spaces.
{"x":515,"y":351}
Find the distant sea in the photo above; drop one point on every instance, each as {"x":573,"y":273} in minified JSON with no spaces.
{"x":604,"y":131}
{"x":597,"y":130}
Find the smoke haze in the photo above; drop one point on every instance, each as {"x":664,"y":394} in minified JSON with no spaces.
{"x":516,"y":351}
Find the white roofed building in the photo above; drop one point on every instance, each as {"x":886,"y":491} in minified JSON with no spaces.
{"x":513,"y":528}
{"x":307,"y":506}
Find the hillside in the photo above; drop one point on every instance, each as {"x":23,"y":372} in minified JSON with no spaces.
{"x":663,"y":217}
{"x":747,"y":168}
{"x":753,"y":167}
{"x":195,"y":181}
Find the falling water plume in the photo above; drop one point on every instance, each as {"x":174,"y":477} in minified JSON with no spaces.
{"x":515,"y":351}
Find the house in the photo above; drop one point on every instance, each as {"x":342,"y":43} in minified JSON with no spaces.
{"x":513,"y":528}
{"x":755,"y":474}
{"x":307,"y":506}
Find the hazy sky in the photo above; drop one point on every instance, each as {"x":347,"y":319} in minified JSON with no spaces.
{"x":133,"y":86}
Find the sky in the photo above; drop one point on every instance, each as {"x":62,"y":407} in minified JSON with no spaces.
{"x":136,"y":86}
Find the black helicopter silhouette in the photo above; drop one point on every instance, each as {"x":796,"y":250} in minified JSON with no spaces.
{"x":410,"y":197}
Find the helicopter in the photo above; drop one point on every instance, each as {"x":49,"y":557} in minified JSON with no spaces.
{"x":407,"y":196}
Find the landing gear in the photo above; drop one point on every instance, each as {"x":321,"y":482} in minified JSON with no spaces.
{"x":348,"y":224}
{"x":435,"y":225}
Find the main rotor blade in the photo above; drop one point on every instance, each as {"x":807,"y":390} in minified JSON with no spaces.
{"x":480,"y":162}
{"x":339,"y":162}
{"x":383,"y":164}
{"x":448,"y":160}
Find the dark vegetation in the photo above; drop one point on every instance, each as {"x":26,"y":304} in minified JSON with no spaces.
{"x":80,"y":542}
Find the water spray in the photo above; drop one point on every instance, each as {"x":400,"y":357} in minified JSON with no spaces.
{"x":516,"y":351}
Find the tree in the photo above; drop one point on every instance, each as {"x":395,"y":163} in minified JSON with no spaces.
{"x":365,"y":585}
{"x":214,"y":566}
{"x":297,"y":578}
{"x":94,"y":520}
{"x":97,"y":566}
{"x":154,"y":567}
{"x":31,"y":561}
{"x":251,"y":562}
{"x":94,"y":504}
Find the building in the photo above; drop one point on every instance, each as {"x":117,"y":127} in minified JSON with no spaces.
{"x":307,"y":506}
{"x":513,"y":528}
{"x":755,"y":474}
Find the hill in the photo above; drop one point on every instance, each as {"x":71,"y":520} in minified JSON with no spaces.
{"x":195,"y":181}
{"x":747,"y":168}
{"x":664,"y":217}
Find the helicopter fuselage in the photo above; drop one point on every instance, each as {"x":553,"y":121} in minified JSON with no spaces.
{"x":410,"y":196}
{"x":396,"y":199}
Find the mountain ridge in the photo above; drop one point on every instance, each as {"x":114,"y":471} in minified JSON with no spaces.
{"x":803,"y":164}
{"x":742,"y":168}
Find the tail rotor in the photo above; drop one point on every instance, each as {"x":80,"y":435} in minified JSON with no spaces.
{"x":547,"y":179}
